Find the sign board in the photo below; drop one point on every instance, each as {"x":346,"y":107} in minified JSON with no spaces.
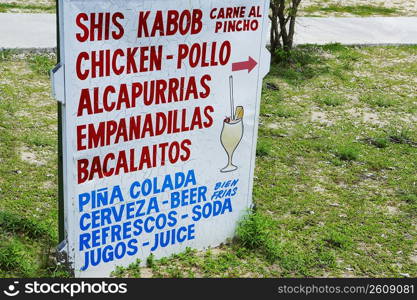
{"x":160,"y":104}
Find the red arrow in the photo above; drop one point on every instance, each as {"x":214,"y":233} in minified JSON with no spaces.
{"x":244,"y":65}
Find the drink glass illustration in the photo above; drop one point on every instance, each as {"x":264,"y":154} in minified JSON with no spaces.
{"x":232,"y":131}
{"x":230,"y":138}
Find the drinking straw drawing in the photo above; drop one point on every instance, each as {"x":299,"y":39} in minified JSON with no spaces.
{"x":232,"y":105}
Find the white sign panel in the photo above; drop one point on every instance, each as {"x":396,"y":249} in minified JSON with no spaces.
{"x":160,"y":111}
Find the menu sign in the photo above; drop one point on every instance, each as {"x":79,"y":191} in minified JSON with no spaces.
{"x":160,"y":104}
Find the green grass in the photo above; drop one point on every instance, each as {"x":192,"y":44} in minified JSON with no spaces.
{"x":379,"y":142}
{"x":263,"y":148}
{"x":299,"y":65}
{"x":41,"y":64}
{"x":380,"y":100}
{"x":335,"y":196}
{"x":254,"y":232}
{"x":14,"y":259}
{"x":13,"y":7}
{"x":330,"y":99}
{"x":347,"y":153}
{"x":358,"y":10}
{"x":17,"y":225}
{"x":28,"y":208}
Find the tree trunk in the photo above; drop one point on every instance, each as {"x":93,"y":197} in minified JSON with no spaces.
{"x":283,"y":18}
{"x":293,"y":15}
{"x":275,"y":36}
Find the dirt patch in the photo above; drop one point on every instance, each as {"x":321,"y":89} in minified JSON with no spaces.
{"x":30,"y":157}
{"x":49,"y":185}
{"x":348,"y":275}
{"x":320,"y":117}
{"x":146,"y":273}
{"x":319,"y":189}
{"x":372,"y":118}
{"x":392,"y":210}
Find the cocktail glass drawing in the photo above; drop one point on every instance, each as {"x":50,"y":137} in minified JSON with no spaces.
{"x":232,"y":131}
{"x":231,"y":136}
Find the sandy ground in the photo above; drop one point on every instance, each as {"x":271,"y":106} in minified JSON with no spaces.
{"x":405,"y":7}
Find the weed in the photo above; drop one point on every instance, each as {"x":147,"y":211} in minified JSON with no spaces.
{"x":379,"y":100}
{"x":334,"y":47}
{"x":298,"y":64}
{"x":263,"y":148}
{"x":379,"y":142}
{"x":402,"y":137}
{"x":284,"y":112}
{"x":7,"y":54}
{"x":347,"y":152}
{"x":17,"y":224}
{"x":337,"y":239}
{"x":41,"y":64}
{"x":150,"y":261}
{"x":13,"y":258}
{"x":254,"y":232}
{"x":329,"y":99}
